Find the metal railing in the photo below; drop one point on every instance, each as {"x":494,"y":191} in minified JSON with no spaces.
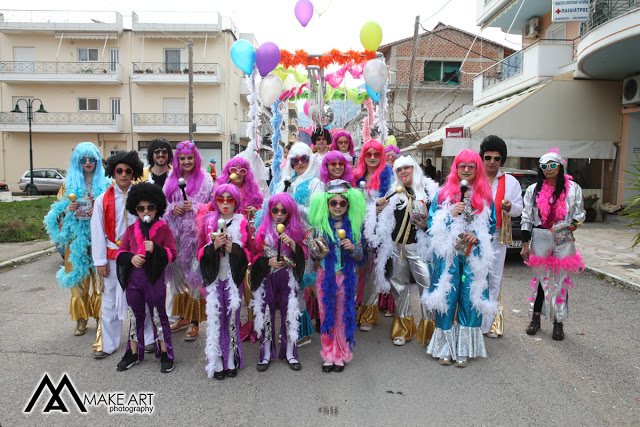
{"x":601,"y":11}
{"x":175,"y":119}
{"x":175,"y":68}
{"x":60,"y":118}
{"x":40,"y":67}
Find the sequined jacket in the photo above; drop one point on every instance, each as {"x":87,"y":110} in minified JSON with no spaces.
{"x":531,"y":216}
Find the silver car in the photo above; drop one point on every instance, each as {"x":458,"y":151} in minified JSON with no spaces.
{"x":44,"y":180}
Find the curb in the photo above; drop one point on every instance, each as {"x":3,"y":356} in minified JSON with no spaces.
{"x":28,"y":257}
{"x":613,"y":278}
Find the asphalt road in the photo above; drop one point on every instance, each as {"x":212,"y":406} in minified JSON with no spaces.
{"x":590,"y":378}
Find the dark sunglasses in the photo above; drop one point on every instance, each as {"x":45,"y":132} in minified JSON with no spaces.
{"x":84,"y":160}
{"x":496,"y":158}
{"x":544,"y":166}
{"x":276,"y":211}
{"x":127,"y":171}
{"x":302,"y":159}
{"x":241,"y":171}
{"x":334,"y":203}
{"x":228,"y":200}
{"x":334,"y":164}
{"x":370,"y":154}
{"x":160,"y":151}
{"x":149,"y":208}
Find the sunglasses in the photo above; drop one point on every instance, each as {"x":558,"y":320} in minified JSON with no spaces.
{"x":496,"y":158}
{"x":277,"y":211}
{"x":187,"y":144}
{"x":343,"y":142}
{"x":84,"y":160}
{"x":338,"y":163}
{"x":302,"y":159}
{"x":370,"y":154}
{"x":241,"y":171}
{"x":544,"y":166}
{"x":463,"y":166}
{"x":227,"y":200}
{"x":149,"y":208}
{"x":341,"y":203}
{"x":127,"y":171}
{"x":160,"y":151}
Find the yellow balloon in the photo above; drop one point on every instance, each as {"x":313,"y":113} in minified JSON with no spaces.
{"x":371,"y":35}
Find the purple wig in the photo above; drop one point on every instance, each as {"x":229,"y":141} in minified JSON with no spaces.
{"x":250,"y":190}
{"x":294,"y":227}
{"x":219,"y":191}
{"x":393,"y":148}
{"x":194,"y":182}
{"x":336,"y":156}
{"x":336,"y":136}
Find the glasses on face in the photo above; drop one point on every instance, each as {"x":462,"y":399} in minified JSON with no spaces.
{"x":160,"y":151}
{"x":297,"y":160}
{"x":339,"y":163}
{"x":127,"y":171}
{"x":343,"y":142}
{"x":390,"y":156}
{"x":470,"y":166}
{"x":84,"y":160}
{"x":277,"y":211}
{"x":149,"y":208}
{"x":370,"y":154}
{"x":227,"y":200}
{"x":496,"y":158}
{"x":553,"y":165}
{"x":341,"y":203}
{"x":186,"y":144}
{"x":241,"y":171}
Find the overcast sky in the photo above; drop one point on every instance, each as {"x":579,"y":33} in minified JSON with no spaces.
{"x":274,"y":20}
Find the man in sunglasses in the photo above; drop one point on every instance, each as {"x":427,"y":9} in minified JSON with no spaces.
{"x":159,"y":156}
{"x":507,"y":197}
{"x":109,"y":221}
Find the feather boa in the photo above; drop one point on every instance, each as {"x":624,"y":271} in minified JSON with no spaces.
{"x":301,"y":195}
{"x":276,"y":123}
{"x":544,"y":198}
{"x":572,"y":263}
{"x":368,"y":120}
{"x":329,"y":287}
{"x":380,"y":110}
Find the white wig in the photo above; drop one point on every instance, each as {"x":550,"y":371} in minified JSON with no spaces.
{"x":301,"y":149}
{"x":424,"y":188}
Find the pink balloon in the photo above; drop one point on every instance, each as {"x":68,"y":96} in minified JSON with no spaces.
{"x":304,"y":12}
{"x":267,"y":58}
{"x":306,"y":107}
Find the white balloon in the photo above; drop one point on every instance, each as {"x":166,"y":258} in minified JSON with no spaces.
{"x":270,"y":89}
{"x":321,"y":6}
{"x":376,"y":74}
{"x":290,"y":82}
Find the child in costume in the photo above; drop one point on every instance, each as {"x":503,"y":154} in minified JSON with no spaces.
{"x":337,"y":216}
{"x":336,"y":166}
{"x":277,"y":270}
{"x":146,"y":249}
{"x":224,"y":251}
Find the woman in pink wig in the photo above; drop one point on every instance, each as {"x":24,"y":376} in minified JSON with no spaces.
{"x":343,"y":143}
{"x":252,"y":197}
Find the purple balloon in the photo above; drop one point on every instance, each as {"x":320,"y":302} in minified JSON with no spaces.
{"x":267,"y":58}
{"x":304,"y":12}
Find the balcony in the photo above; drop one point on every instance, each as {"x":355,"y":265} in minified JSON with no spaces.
{"x":509,"y":13}
{"x":242,"y":130}
{"x":610,"y":40}
{"x":60,"y":72}
{"x":170,"y":24}
{"x":59,"y":21}
{"x":146,"y":73}
{"x":536,"y":63}
{"x":176,"y":123}
{"x":245,"y":86}
{"x":63,"y":123}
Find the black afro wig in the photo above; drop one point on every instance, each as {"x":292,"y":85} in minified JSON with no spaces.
{"x":145,"y":191}
{"x":128,"y":158}
{"x":321,"y":131}
{"x":159,"y":143}
{"x":494,"y":143}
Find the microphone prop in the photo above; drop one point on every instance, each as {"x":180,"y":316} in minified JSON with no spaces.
{"x":232,"y":177}
{"x":399,"y":190}
{"x":464,"y":186}
{"x":182,"y":184}
{"x":147,"y":220}
{"x":280,"y":230}
{"x":287,"y":183}
{"x":72,"y":197}
{"x":221,"y":226}
{"x":341,"y":235}
{"x":362,"y":186}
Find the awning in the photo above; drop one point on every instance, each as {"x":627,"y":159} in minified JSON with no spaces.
{"x":581,"y":117}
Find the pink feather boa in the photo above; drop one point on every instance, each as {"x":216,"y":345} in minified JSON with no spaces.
{"x":544,"y":197}
{"x":571,"y":263}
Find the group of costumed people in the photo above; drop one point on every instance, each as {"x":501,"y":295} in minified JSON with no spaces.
{"x":336,"y":239}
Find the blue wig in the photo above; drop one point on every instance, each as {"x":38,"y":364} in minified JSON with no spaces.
{"x":74,"y":182}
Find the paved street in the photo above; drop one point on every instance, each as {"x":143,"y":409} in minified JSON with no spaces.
{"x":590,"y":378}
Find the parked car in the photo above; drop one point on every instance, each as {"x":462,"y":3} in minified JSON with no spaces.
{"x":525,"y":178}
{"x":44,"y":180}
{"x":4,"y":187}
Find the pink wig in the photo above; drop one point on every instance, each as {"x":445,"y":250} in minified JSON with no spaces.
{"x":251,"y":194}
{"x":336,"y":136}
{"x":336,"y":156}
{"x":294,"y":227}
{"x":194,"y":182}
{"x":219,"y":191}
{"x":361,"y":170}
{"x":481,"y":190}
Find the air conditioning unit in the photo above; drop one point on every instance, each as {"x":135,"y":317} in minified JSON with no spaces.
{"x":234,"y":137}
{"x":631,"y":91}
{"x":532,"y":28}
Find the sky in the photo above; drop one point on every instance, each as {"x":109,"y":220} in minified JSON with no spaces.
{"x":337,"y":28}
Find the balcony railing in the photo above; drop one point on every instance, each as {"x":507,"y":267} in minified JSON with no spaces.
{"x":62,"y":122}
{"x":58,"y":67}
{"x":176,"y":122}
{"x":601,"y":11}
{"x":175,"y":68}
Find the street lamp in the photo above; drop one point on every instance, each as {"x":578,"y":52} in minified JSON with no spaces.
{"x":29,"y":102}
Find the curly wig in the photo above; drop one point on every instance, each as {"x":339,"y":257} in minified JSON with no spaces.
{"x":321,"y":131}
{"x":159,"y":143}
{"x":336,"y":156}
{"x":494,"y":143}
{"x":129,"y":158}
{"x":250,"y":190}
{"x":145,"y":191}
{"x":337,"y":136}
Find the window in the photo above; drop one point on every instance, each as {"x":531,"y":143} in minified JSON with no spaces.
{"x":88,"y":104}
{"x":235,"y":150}
{"x":87,"y":55}
{"x":447,"y":72}
{"x":115,"y":108}
{"x":114,"y":59}
{"x":173,"y":60}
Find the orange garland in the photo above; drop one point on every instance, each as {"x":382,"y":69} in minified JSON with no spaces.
{"x":334,"y":56}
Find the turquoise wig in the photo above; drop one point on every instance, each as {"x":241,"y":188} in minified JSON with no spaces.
{"x":319,"y":212}
{"x":74,"y":182}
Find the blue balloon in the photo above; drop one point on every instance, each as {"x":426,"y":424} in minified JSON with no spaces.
{"x":375,"y":96}
{"x":243,"y":55}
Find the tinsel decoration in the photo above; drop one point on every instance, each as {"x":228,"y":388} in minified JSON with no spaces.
{"x":276,"y":122}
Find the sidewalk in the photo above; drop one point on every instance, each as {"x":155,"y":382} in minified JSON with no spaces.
{"x":14,"y":253}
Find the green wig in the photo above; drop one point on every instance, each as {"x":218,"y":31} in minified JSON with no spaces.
{"x":319,"y":212}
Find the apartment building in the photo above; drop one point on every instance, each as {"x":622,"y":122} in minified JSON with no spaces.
{"x":116,"y":87}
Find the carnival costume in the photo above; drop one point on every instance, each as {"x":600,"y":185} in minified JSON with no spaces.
{"x":402,"y":242}
{"x":72,"y":230}
{"x":350,"y":155}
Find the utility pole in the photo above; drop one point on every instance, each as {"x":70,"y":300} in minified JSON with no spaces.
{"x":407,"y":127}
{"x":190,"y":44}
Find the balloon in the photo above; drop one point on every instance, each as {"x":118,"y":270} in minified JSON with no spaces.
{"x":321,"y":6}
{"x":270,"y":89}
{"x":376,"y":74}
{"x":371,"y":35}
{"x":306,"y":108}
{"x":374,"y":95}
{"x":304,"y":12}
{"x":243,"y":55}
{"x":267,"y":58}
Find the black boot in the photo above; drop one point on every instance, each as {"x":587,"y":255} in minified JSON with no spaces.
{"x":558,"y":332}
{"x":534,"y":325}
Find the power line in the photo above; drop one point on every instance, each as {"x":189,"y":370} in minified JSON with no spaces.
{"x":439,"y":10}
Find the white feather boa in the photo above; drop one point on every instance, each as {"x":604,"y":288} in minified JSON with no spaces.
{"x":445,"y":231}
